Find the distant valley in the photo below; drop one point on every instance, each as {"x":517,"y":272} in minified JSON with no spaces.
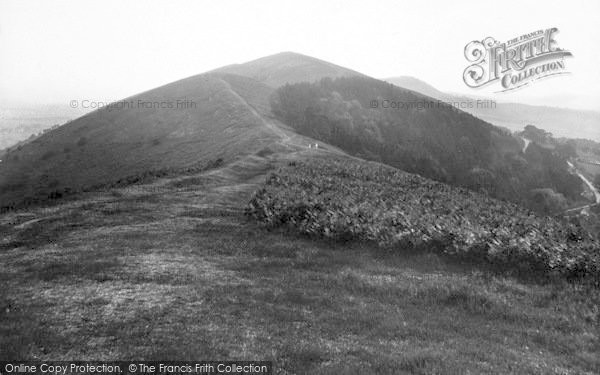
{"x":561,"y":122}
{"x":17,"y":123}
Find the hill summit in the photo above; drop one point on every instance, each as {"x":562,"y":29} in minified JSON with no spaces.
{"x":288,"y":67}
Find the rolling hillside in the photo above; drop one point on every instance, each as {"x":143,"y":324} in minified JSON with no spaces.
{"x":174,"y":263}
{"x":181,"y":267}
{"x":204,"y":118}
{"x":191,"y":123}
{"x":562,"y":122}
{"x":216,"y":117}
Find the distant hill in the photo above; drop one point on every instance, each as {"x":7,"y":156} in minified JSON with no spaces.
{"x":561,"y":122}
{"x":417,"y":85}
{"x":219,"y":117}
{"x":288,"y":67}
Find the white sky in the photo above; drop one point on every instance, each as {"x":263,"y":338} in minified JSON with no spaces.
{"x":56,"y":51}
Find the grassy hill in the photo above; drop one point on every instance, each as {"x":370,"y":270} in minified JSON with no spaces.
{"x":169,"y":267}
{"x":225,"y":114}
{"x":191,"y":123}
{"x":188,"y":123}
{"x":173,"y":270}
{"x":288,"y":67}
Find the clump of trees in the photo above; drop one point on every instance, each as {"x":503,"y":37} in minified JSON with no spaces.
{"x":548,"y":201}
{"x":536,"y":134}
{"x":434,"y":140}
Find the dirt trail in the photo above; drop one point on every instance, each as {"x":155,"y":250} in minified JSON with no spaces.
{"x":588,"y":184}
{"x":285,"y":138}
{"x":527,"y":142}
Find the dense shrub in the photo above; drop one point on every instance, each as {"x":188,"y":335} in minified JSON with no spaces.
{"x":47,"y":155}
{"x":547,"y":200}
{"x":351,"y":200}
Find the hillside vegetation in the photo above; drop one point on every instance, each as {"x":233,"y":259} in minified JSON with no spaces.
{"x":352,"y":200}
{"x":224,"y":114}
{"x":425,"y":137}
{"x":219,"y":117}
{"x":380,"y":271}
{"x":228,"y":113}
{"x":173,"y":270}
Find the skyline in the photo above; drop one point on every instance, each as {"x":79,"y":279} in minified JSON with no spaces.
{"x":56,"y":52}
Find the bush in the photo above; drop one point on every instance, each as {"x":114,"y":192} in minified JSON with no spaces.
{"x":548,"y":201}
{"x":47,"y":155}
{"x":82,"y":141}
{"x":349,"y":200}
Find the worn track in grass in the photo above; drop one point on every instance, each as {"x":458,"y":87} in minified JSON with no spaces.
{"x":173,"y":270}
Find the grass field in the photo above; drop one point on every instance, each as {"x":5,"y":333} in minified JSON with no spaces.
{"x":173,"y":270}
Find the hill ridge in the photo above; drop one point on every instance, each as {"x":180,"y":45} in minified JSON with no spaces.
{"x":287,"y":67}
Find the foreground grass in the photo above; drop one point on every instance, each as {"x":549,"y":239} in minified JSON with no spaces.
{"x":174,"y":271}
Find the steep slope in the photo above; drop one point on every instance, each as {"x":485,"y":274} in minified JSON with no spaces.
{"x":561,"y":122}
{"x":288,"y":67}
{"x":186,"y":124}
{"x":191,"y":123}
{"x":378,"y":121}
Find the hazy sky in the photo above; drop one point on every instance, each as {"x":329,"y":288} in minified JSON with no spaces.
{"x":56,"y":51}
